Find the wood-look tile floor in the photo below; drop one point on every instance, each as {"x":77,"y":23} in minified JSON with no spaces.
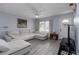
{"x":46,"y":47}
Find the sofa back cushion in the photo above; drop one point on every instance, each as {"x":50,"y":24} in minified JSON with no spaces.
{"x":24,"y":31}
{"x":42,"y":33}
{"x":16,"y":33}
{"x":12,"y":34}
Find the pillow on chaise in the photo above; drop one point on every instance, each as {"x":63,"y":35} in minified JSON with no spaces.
{"x":4,"y":47}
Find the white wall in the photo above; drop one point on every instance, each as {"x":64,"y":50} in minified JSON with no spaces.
{"x":76,"y":22}
{"x":11,"y":21}
{"x":56,"y":25}
{"x":59,"y":28}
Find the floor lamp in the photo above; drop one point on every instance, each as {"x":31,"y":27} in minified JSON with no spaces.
{"x":67,"y":23}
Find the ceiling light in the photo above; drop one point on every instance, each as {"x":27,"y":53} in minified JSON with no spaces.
{"x":36,"y":16}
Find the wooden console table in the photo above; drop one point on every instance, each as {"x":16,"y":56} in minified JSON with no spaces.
{"x":54,"y":36}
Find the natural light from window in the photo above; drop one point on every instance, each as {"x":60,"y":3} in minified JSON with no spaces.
{"x":44,"y":26}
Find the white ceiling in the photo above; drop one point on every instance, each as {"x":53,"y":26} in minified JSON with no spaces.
{"x":31,"y":9}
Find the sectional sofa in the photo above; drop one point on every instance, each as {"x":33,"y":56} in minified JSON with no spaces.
{"x":16,"y":41}
{"x":25,"y":35}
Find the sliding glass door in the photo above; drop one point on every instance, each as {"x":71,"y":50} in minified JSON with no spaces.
{"x":44,"y":26}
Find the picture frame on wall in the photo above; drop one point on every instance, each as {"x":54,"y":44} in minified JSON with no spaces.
{"x":21,"y":23}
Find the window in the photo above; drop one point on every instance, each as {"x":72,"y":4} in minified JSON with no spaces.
{"x":44,"y":26}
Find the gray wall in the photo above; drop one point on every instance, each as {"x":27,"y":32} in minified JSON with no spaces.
{"x":11,"y":21}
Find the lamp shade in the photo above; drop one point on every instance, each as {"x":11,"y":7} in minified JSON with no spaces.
{"x":67,"y":22}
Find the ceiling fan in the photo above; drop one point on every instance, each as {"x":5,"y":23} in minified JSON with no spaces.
{"x":35,"y":11}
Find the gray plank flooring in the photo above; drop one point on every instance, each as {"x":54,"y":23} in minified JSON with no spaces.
{"x":46,"y":47}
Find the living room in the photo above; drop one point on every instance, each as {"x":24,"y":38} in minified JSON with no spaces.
{"x":29,"y":27}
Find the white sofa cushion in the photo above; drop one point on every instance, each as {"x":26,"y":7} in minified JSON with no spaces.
{"x":13,"y":33}
{"x":23,"y":31}
{"x":25,"y":36}
{"x":41,"y":35}
{"x":3,"y":46}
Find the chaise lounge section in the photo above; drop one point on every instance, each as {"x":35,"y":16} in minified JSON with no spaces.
{"x":15,"y":47}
